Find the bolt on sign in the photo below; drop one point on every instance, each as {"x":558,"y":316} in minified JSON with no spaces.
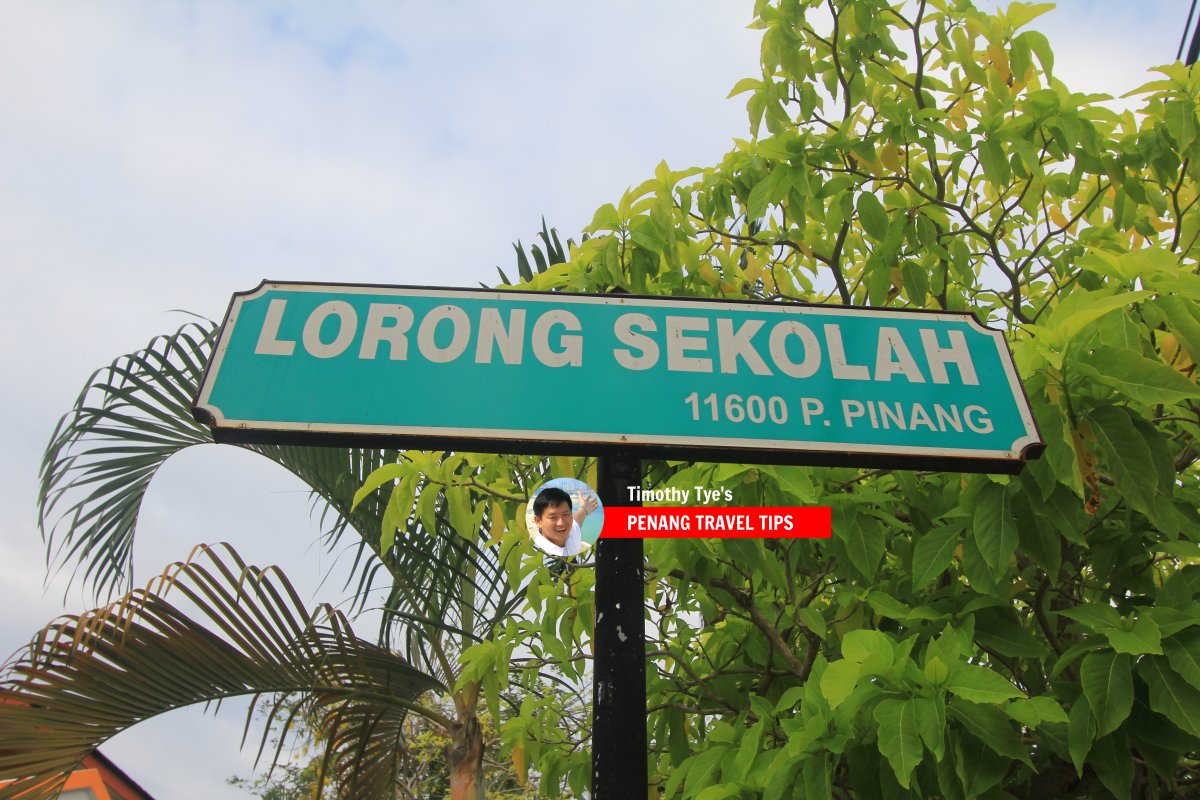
{"x":532,"y":372}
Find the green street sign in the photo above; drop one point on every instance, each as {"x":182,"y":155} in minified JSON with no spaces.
{"x":528,"y":372}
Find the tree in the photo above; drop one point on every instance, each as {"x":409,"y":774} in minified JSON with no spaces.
{"x":961,"y":635}
{"x":87,"y":677}
{"x":445,"y":588}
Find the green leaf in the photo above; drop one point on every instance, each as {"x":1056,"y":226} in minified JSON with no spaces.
{"x":1048,"y":709}
{"x":887,"y":606}
{"x":789,"y":699}
{"x":1171,"y":621}
{"x":1171,"y":695}
{"x":839,"y":681}
{"x":1183,"y":319}
{"x":706,"y":765}
{"x":461,"y":515}
{"x":995,"y":164}
{"x":817,"y":784}
{"x":978,"y":572}
{"x":899,"y":737}
{"x":776,"y":148}
{"x":1107,"y":681}
{"x":916,"y":281}
{"x":1186,"y":285}
{"x":744,"y":85}
{"x":1081,"y":732}
{"x":780,"y":776}
{"x":991,"y":726}
{"x":999,"y":634}
{"x":933,"y":553}
{"x":394,"y":516}
{"x":873,"y":650}
{"x":1120,"y":330}
{"x":1162,"y":453}
{"x":426,"y":508}
{"x":1113,"y":761}
{"x":747,"y":751}
{"x":796,"y":482}
{"x":873,"y":215}
{"x":931,"y":723}
{"x":863,"y":538}
{"x":1180,"y":118}
{"x":605,"y":219}
{"x":385,"y":474}
{"x":1041,"y":47}
{"x":764,"y":192}
{"x":1145,"y":264}
{"x":1143,"y":638}
{"x":936,"y":671}
{"x":1141,"y":379}
{"x":1034,"y":711}
{"x":812,"y":619}
{"x":995,"y":528}
{"x":977,"y":766}
{"x":645,"y":234}
{"x":1074,"y":653}
{"x":1018,"y":15}
{"x":1095,"y":616}
{"x":762,"y":707}
{"x":980,"y":685}
{"x":722,"y":791}
{"x":1127,"y":455}
{"x":1081,"y":308}
{"x":1019,"y":57}
{"x":1183,"y":653}
{"x":678,"y":743}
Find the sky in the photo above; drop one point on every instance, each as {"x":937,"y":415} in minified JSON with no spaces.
{"x":156,"y":157}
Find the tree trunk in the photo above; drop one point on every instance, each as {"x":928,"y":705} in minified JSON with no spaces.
{"x":464,"y":757}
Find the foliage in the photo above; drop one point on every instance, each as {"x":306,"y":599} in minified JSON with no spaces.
{"x":286,"y":782}
{"x":531,"y":671}
{"x":961,"y":635}
{"x":133,"y":415}
{"x":421,"y":769}
{"x":296,"y":771}
{"x":555,"y":253}
{"x":144,"y":655}
{"x":444,"y":587}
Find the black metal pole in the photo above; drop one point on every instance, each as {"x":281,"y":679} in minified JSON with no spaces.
{"x":1194,"y":49}
{"x":619,"y":768}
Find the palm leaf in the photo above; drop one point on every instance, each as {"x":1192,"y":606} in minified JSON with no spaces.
{"x":85,"y":678}
{"x":554,"y":253}
{"x":129,"y":419}
{"x":135,"y":414}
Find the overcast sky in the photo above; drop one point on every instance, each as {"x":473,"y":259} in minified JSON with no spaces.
{"x":157,"y":156}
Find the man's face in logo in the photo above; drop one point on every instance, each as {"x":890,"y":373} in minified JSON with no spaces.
{"x":555,"y":523}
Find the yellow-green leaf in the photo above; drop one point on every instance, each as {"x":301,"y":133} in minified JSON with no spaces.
{"x":899,"y":737}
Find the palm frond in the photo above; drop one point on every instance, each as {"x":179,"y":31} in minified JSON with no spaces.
{"x":129,"y":419}
{"x":85,"y":678}
{"x":333,"y":474}
{"x":135,"y":414}
{"x":554,"y":253}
